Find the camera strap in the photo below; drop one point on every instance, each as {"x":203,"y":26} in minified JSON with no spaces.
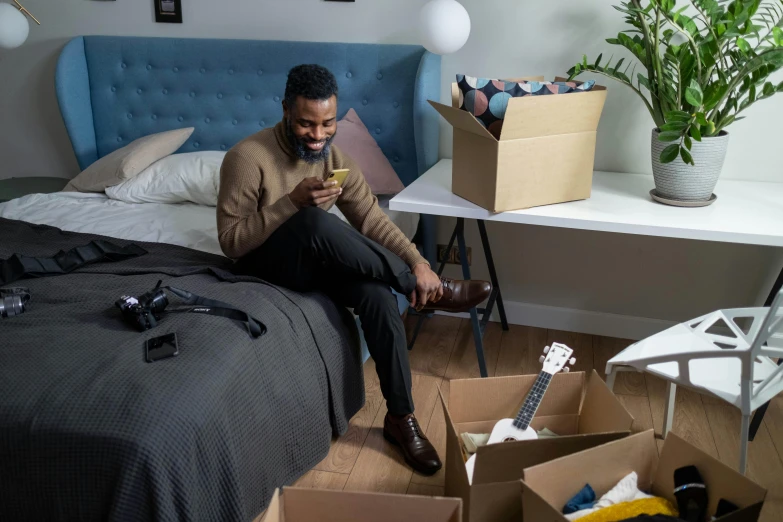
{"x":202,"y":305}
{"x":19,"y":266}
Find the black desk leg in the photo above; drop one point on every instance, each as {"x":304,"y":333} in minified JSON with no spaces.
{"x":478,"y":325}
{"x":758,"y":417}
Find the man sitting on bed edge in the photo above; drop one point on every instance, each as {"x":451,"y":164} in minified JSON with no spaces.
{"x":272,"y":217}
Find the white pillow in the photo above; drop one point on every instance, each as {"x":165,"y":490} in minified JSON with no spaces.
{"x":194,"y":176}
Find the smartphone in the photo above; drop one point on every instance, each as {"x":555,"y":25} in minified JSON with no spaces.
{"x":339,"y":176}
{"x":162,"y":347}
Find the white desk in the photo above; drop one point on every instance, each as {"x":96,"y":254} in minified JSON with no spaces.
{"x":746,"y":212}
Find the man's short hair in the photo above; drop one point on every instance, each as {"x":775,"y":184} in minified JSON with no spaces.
{"x":312,"y":82}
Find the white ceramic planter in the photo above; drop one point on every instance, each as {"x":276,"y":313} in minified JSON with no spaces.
{"x":681,"y":181}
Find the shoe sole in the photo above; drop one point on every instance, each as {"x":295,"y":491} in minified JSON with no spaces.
{"x":427,"y":471}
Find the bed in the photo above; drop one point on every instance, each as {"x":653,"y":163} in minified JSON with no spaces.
{"x":88,"y":430}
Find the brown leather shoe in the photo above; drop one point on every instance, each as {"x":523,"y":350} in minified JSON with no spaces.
{"x":416,"y":448}
{"x":459,"y":296}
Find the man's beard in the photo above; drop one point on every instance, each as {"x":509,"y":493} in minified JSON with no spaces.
{"x":300,"y":146}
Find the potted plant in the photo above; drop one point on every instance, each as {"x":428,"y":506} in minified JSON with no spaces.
{"x":703,"y":65}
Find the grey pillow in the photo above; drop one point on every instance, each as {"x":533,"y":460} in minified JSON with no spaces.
{"x":127,"y":162}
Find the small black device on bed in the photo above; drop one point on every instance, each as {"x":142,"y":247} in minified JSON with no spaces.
{"x":13,"y":301}
{"x":161,"y":347}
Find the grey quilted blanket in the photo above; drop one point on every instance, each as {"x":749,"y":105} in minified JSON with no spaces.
{"x":90,"y":431}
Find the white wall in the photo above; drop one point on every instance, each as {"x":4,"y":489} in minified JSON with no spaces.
{"x":617,"y":274}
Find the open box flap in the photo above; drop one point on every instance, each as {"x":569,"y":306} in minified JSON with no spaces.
{"x":497,"y":398}
{"x":304,"y":505}
{"x":462,"y":120}
{"x":507,"y":461}
{"x":536,"y":509}
{"x":273,"y":511}
{"x":721,"y":480}
{"x":535,"y":116}
{"x":601,"y":411}
{"x":602,"y":467}
{"x":457,"y":484}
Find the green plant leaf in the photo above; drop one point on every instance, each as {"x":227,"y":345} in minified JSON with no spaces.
{"x":613,"y":41}
{"x":688,"y":142}
{"x":701,"y":118}
{"x":676,"y":126}
{"x":693,"y":96}
{"x":584,"y":61}
{"x":686,"y":156}
{"x":670,"y":153}
{"x":752,"y":94}
{"x":777,"y":35}
{"x":678,"y":116}
{"x":695,"y":132}
{"x":598,"y":60}
{"x":644,"y":81}
{"x":768,"y":90}
{"x":577,"y":68}
{"x":669,"y":136}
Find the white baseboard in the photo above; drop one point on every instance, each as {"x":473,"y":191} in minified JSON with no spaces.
{"x":582,"y":321}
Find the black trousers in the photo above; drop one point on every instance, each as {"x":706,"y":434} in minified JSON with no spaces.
{"x":316,"y":251}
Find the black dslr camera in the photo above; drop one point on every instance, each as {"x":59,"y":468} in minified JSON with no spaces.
{"x":13,"y":301}
{"x":143,"y":312}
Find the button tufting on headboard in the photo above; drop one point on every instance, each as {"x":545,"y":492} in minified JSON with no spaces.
{"x":169,"y":83}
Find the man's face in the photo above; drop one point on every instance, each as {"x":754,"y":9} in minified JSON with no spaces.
{"x":311,"y":126}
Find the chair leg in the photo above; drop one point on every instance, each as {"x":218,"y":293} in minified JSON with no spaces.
{"x":668,"y":409}
{"x":610,"y":377}
{"x":743,"y":463}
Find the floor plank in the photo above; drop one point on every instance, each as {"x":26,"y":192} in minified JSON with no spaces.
{"x":639,"y":408}
{"x":774,"y":421}
{"x":463,"y":363}
{"x":764,"y":466}
{"x":520,"y":348}
{"x":626,"y":383}
{"x":436,"y":432}
{"x":581,"y":344}
{"x":690,"y":420}
{"x":345,"y":450}
{"x":427,"y":491}
{"x":322,"y":480}
{"x":434,"y":345}
{"x":380,"y":466}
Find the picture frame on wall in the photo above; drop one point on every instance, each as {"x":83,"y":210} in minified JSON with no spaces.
{"x":168,"y":11}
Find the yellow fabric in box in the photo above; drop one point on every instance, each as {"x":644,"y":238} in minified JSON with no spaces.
{"x":625,"y":510}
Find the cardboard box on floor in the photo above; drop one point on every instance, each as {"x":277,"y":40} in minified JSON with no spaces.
{"x":577,"y":406}
{"x":306,"y":505}
{"x":546,"y":488}
{"x":545,"y":153}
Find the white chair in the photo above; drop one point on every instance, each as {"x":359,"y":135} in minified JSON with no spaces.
{"x":733,"y":361}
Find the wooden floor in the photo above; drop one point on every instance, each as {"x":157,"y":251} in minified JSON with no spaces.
{"x":363,"y":460}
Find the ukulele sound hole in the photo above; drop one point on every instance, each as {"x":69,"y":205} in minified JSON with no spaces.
{"x":509,"y":439}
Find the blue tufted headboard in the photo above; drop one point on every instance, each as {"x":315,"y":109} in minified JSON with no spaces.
{"x":113,"y":90}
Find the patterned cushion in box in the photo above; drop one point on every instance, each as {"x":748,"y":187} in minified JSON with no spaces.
{"x":487,"y":99}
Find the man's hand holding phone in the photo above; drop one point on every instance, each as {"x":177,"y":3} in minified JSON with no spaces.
{"x":311,"y":192}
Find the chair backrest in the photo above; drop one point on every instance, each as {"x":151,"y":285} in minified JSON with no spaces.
{"x":768,"y":341}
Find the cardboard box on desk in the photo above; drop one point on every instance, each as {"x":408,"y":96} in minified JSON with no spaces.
{"x":306,"y":505}
{"x":544,"y":155}
{"x":546,"y":488}
{"x":576,"y":405}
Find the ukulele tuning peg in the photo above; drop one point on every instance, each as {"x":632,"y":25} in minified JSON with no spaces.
{"x":566,"y":369}
{"x":572,"y":361}
{"x":541,"y":359}
{"x":546,"y":349}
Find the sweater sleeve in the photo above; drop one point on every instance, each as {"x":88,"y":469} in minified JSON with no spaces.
{"x":360,"y":207}
{"x":242,"y":227}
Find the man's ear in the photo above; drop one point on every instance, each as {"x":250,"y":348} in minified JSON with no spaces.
{"x":285,"y":110}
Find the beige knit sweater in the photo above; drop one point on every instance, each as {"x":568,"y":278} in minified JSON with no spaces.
{"x":258,"y":174}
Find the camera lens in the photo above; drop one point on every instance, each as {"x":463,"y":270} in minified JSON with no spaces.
{"x":159,"y":302}
{"x":11,"y":306}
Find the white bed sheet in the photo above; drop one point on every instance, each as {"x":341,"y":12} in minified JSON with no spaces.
{"x":186,"y":224}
